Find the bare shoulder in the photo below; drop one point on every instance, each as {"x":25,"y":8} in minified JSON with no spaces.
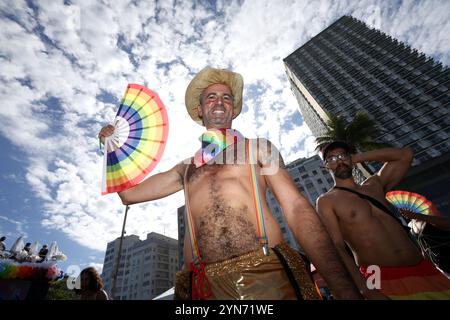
{"x":328,"y":201}
{"x":373,"y":185}
{"x":181,"y":166}
{"x":327,"y":197}
{"x":177,"y":172}
{"x":101,"y":295}
{"x":372,"y":180}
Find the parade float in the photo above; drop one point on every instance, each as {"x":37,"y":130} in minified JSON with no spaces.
{"x":26,"y":273}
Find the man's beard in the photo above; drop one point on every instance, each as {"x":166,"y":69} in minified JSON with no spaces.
{"x":343,"y":171}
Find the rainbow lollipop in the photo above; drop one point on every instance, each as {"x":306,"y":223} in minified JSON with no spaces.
{"x":411,"y":202}
{"x":140,"y":135}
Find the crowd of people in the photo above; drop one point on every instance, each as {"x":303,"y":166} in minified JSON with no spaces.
{"x":23,"y":253}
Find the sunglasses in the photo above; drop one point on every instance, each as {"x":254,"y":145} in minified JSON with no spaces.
{"x":335,"y":158}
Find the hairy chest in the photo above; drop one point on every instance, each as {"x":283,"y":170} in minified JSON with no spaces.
{"x":222,"y":210}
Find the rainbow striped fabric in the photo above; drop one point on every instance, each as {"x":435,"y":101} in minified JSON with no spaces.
{"x":411,"y":202}
{"x":215,"y":141}
{"x":28,"y":271}
{"x":420,"y":282}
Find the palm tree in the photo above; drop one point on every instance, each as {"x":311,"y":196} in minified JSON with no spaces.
{"x":358,"y":134}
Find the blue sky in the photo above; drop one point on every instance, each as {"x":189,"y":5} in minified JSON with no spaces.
{"x":65,"y":64}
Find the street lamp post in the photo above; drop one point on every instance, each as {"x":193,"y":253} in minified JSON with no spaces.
{"x":116,"y":271}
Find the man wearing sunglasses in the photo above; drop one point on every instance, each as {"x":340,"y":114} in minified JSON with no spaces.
{"x":358,"y":216}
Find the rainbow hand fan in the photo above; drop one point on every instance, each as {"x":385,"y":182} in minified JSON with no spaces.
{"x":139,"y":138}
{"x":411,"y":202}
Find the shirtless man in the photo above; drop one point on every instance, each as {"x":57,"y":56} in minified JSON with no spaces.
{"x":375,"y":237}
{"x":221,"y":200}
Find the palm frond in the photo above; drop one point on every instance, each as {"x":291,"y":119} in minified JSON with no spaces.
{"x":371,"y":145}
{"x":324,"y":139}
{"x":359,"y":133}
{"x":361,"y":128}
{"x":337,"y":127}
{"x":322,"y":145}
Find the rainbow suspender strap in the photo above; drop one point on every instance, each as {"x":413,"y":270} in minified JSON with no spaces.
{"x":257,"y":200}
{"x":189,"y":222}
{"x":200,"y":286}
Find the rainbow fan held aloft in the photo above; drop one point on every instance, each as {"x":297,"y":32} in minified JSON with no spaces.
{"x":411,"y":202}
{"x":140,"y":135}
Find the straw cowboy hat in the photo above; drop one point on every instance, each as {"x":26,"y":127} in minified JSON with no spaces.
{"x":207,"y":77}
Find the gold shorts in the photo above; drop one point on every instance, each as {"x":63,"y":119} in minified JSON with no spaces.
{"x":281,"y":275}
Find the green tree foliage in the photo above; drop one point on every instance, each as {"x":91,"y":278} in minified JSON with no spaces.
{"x":58,"y":291}
{"x":359,"y":133}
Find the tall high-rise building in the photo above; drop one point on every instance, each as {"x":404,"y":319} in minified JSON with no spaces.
{"x":349,"y":67}
{"x":146,"y":269}
{"x":311,"y":180}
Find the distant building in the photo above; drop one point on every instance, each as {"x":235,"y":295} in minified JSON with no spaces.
{"x":310,"y":177}
{"x":147,"y":267}
{"x":350,"y":67}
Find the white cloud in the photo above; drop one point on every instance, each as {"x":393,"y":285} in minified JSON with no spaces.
{"x":13,"y":178}
{"x":15,"y":232}
{"x":76,"y":56}
{"x":82,"y":266}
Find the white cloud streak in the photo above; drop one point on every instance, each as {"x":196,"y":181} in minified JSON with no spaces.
{"x":19,"y":227}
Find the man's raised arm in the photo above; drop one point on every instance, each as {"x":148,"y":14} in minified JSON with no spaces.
{"x":155,"y":187}
{"x":397,"y":163}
